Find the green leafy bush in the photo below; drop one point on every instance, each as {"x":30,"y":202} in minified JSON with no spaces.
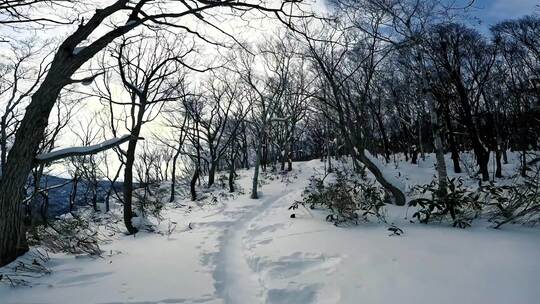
{"x":456,"y":203}
{"x":347,"y":199}
{"x":518,"y":204}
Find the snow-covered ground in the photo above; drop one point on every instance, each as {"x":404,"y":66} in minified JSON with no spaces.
{"x":240,"y":250}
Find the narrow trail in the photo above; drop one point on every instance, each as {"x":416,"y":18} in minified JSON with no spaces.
{"x":235,"y":281}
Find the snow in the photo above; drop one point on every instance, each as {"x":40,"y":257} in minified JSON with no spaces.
{"x":78,"y":49}
{"x":250,"y":251}
{"x":85,"y":150}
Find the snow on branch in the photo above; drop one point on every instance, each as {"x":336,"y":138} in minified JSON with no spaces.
{"x":80,"y":151}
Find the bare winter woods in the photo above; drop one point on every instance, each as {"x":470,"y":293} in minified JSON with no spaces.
{"x":141,"y":94}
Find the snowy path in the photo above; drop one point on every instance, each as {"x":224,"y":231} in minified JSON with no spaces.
{"x":245,"y":276}
{"x":236,"y":281}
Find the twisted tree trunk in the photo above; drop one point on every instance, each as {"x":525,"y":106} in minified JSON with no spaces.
{"x":19,"y":165}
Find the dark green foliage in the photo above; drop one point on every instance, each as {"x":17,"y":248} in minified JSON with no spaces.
{"x":73,"y":234}
{"x":347,"y":199}
{"x":456,"y":203}
{"x":515,"y":203}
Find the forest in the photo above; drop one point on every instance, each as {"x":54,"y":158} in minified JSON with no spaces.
{"x":269,"y":151}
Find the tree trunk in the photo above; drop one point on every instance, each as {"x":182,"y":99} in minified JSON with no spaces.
{"x":398,"y":195}
{"x":283,"y":159}
{"x":437,"y":138}
{"x":231,"y":176}
{"x":482,"y":157}
{"x":73,"y":194}
{"x":3,"y":145}
{"x":455,"y":158}
{"x":452,"y":140}
{"x":173,"y":183}
{"x":482,"y":154}
{"x":173,"y":175}
{"x":254,"y":187}
{"x":498,"y":156}
{"x":245,"y":158}
{"x":524,"y":163}
{"x":439,"y":150}
{"x":44,"y":207}
{"x":289,"y":162}
{"x":128,"y":183}
{"x":19,"y":165}
{"x":212,"y":172}
{"x":264,"y":155}
{"x":290,"y":155}
{"x":329,"y":158}
{"x":414,"y":156}
{"x":420,"y":145}
{"x":384,"y":138}
{"x":193,"y":184}
{"x":95,"y":197}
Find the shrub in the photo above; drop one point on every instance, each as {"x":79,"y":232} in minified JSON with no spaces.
{"x":456,"y":203}
{"x":71,"y":234}
{"x":514,"y":204}
{"x":26,"y":268}
{"x":347,"y":199}
{"x":150,"y":201}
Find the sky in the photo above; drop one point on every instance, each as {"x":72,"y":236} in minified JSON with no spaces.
{"x":489,"y":12}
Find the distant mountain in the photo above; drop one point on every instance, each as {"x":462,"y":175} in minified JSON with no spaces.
{"x":59,"y":197}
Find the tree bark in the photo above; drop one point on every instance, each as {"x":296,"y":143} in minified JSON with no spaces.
{"x":173,"y":175}
{"x":255,"y":182}
{"x":498,"y":156}
{"x":73,"y":194}
{"x":19,"y":163}
{"x":290,"y":155}
{"x":128,"y":183}
{"x":193,"y":184}
{"x":212,"y":172}
{"x":3,"y":145}
{"x":231,"y":176}
{"x":414,"y":156}
{"x":386,"y":145}
{"x":452,"y":140}
{"x":524,"y":163}
{"x":439,"y":150}
{"x":398,"y":195}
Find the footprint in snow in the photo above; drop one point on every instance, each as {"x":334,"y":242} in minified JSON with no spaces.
{"x":305,"y":294}
{"x":297,"y":264}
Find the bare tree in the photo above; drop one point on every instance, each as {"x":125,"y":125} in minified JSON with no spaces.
{"x":20,"y":76}
{"x":330,"y":51}
{"x":264,"y":95}
{"x":150,"y":70}
{"x":71,"y":55}
{"x":177,"y":120}
{"x":222,"y":101}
